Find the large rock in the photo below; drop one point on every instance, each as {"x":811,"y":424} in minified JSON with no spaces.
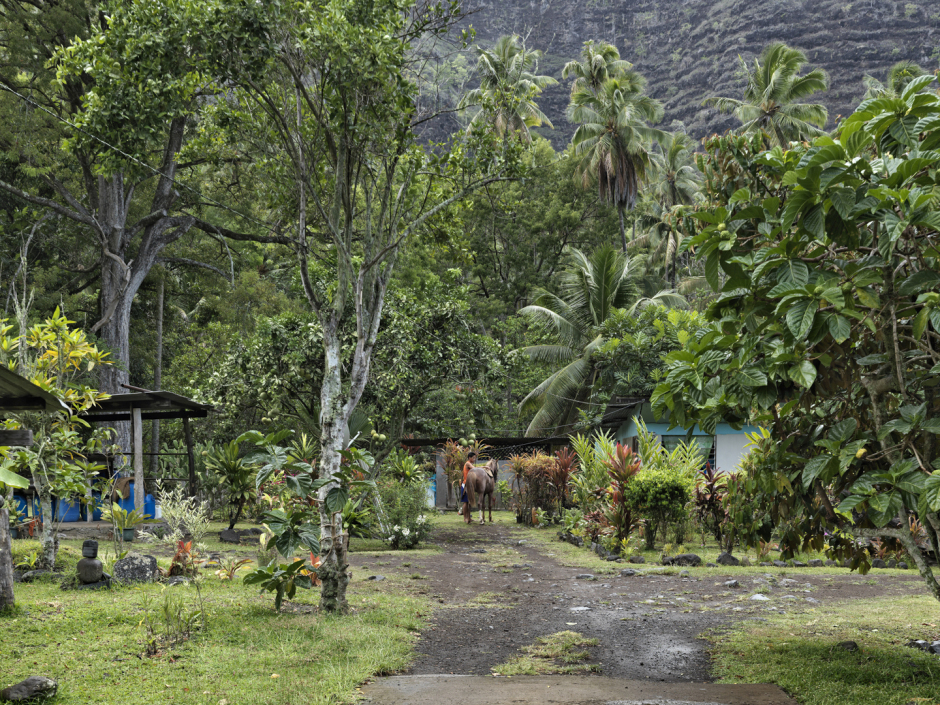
{"x":683,"y":559}
{"x":636,"y":560}
{"x":878,"y":563}
{"x":815,"y":563}
{"x":727,"y":559}
{"x":32,"y":575}
{"x":230,"y":536}
{"x":135,"y":568}
{"x":33,"y":688}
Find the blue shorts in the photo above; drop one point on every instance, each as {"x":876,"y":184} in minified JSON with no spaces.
{"x":463,"y":495}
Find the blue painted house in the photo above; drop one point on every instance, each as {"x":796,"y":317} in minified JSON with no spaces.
{"x":724,"y":450}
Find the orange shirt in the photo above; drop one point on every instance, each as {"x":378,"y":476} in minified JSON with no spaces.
{"x":467,"y":467}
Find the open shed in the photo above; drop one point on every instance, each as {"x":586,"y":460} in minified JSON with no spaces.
{"x":141,"y":406}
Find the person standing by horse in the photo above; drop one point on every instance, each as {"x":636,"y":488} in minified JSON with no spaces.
{"x":465,"y":502}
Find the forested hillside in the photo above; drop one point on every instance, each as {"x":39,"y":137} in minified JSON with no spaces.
{"x":689,"y":49}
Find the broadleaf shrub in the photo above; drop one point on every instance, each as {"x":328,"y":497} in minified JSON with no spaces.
{"x":407,"y":516}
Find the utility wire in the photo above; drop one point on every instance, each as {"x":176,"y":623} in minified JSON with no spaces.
{"x":124,"y":154}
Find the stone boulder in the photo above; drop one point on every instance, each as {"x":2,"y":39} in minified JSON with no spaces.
{"x":636,"y":559}
{"x":878,"y":563}
{"x":32,"y":575}
{"x":815,"y":563}
{"x":33,"y":688}
{"x":780,"y":564}
{"x":627,"y":573}
{"x":135,"y":568}
{"x":689,"y":559}
{"x":727,"y":559}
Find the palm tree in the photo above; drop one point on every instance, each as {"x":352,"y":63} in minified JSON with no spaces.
{"x":598,"y":63}
{"x":591,"y":287}
{"x":613,"y":140}
{"x":897,"y":79}
{"x":678,"y":180}
{"x":770,"y":98}
{"x":508,"y":87}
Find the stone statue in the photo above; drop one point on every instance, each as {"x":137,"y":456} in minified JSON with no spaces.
{"x":90,"y":571}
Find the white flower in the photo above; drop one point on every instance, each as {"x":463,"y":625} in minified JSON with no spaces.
{"x":422,"y":519}
{"x":405,"y":532}
{"x":396,"y":529}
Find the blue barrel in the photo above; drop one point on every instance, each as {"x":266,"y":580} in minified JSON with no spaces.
{"x":150,"y":506}
{"x":68,"y":510}
{"x":29,"y":509}
{"x":96,"y":500}
{"x":128,"y":504}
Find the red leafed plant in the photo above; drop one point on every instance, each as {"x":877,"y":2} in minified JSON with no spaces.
{"x":710,"y":489}
{"x":622,"y":467}
{"x":183,"y":562}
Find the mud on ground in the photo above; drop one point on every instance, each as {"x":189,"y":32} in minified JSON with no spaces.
{"x":497,"y":591}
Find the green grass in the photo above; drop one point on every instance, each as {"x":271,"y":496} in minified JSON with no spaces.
{"x":572,"y":556}
{"x":554,"y":653}
{"x":92,"y":642}
{"x":801,"y":653}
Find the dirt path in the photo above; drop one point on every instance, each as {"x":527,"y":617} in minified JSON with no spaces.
{"x":499,"y":591}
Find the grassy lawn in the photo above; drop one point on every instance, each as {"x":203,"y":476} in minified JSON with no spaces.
{"x":801,"y":653}
{"x":93,"y":642}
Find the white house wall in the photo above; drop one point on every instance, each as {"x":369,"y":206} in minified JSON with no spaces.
{"x":729,"y":450}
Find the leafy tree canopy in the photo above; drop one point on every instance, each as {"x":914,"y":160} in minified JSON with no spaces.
{"x":827,"y":326}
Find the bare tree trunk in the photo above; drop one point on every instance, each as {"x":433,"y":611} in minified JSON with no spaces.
{"x":623,"y":234}
{"x":6,"y":559}
{"x":48,"y":540}
{"x":157,"y":380}
{"x":333,"y":565}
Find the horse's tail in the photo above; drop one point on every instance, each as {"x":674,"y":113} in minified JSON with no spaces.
{"x":470,"y":498}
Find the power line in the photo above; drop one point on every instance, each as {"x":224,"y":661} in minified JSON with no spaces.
{"x":124,"y":154}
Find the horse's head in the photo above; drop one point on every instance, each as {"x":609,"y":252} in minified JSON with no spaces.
{"x":492,"y":469}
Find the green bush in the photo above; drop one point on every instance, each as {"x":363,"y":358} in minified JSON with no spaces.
{"x":405,"y":505}
{"x":660,"y":497}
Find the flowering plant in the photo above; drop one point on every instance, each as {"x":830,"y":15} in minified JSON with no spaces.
{"x":410,"y":535}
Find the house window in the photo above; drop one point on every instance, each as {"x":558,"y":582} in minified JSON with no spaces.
{"x":705,"y":443}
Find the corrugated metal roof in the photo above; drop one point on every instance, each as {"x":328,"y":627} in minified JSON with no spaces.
{"x":19,"y":394}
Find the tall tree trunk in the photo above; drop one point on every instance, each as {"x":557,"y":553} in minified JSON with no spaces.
{"x":623,"y":234}
{"x":48,"y":539}
{"x":6,"y":558}
{"x":333,"y":564}
{"x":157,"y":380}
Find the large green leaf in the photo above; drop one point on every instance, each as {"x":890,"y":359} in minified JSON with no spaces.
{"x":882,"y":508}
{"x":336,"y":499}
{"x":800,"y":317}
{"x":803,"y":374}
{"x":843,"y":431}
{"x":12,"y":479}
{"x":839,"y":328}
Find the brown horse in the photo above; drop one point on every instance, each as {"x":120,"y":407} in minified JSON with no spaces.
{"x":482,"y":482}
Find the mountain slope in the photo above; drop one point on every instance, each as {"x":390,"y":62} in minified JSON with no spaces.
{"x":689,"y":49}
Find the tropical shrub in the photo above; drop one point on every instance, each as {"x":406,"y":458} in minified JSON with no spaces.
{"x":238,"y":477}
{"x":589,"y":482}
{"x":660,"y":497}
{"x":405,"y":507}
{"x":622,"y":469}
{"x":710,"y":489}
{"x":543,"y":483}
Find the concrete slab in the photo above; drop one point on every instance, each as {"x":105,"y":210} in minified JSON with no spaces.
{"x":567,"y":690}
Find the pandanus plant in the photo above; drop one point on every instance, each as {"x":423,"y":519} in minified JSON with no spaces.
{"x":622,"y":466}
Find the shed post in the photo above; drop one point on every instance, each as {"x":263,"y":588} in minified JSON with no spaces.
{"x":137,"y":435}
{"x":189,"y":453}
